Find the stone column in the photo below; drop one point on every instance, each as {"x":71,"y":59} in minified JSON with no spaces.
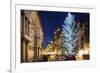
{"x":23,"y":51}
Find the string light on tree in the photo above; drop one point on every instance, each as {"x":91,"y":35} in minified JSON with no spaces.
{"x":69,"y":35}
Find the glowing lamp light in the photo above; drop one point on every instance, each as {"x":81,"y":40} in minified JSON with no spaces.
{"x":83,"y":52}
{"x":86,"y":51}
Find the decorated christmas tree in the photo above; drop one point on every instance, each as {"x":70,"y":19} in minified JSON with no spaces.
{"x":69,"y":35}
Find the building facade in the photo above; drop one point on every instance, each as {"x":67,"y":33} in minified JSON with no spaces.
{"x":31,"y":36}
{"x":53,"y":50}
{"x":83,"y":50}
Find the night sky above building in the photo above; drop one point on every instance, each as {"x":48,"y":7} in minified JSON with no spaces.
{"x":52,"y":20}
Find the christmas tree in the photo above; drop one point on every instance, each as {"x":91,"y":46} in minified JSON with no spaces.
{"x":69,"y":35}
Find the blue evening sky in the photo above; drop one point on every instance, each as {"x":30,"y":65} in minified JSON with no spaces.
{"x":52,"y":20}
